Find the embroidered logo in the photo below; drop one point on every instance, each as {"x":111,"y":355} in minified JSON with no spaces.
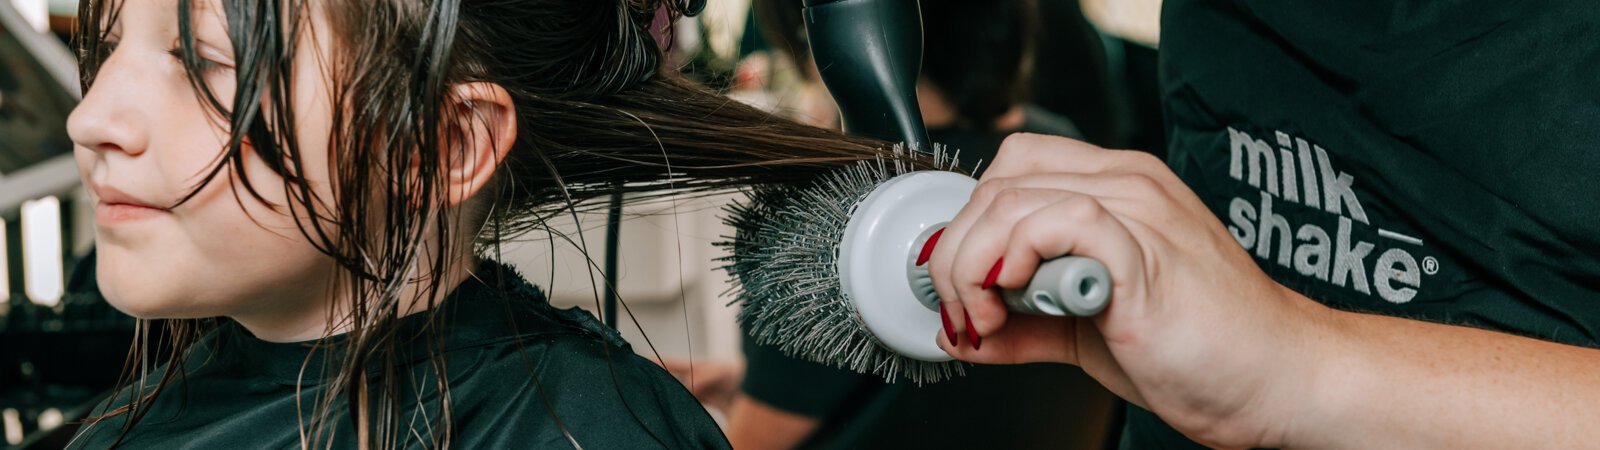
{"x":1298,"y":172}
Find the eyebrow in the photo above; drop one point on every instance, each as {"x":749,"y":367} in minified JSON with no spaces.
{"x":201,"y":10}
{"x":197,"y":9}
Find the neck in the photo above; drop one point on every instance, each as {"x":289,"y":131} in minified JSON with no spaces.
{"x":290,"y":321}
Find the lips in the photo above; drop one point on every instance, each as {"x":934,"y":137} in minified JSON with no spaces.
{"x":116,"y":206}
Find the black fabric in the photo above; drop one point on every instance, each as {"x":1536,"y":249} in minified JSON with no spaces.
{"x":519,"y":370}
{"x":1037,"y":406}
{"x":1450,"y":147}
{"x":1012,"y":407}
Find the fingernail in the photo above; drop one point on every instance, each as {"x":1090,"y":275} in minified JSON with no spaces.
{"x":972,"y":334}
{"x":949,"y":330}
{"x":927,"y":248}
{"x":994,"y":274}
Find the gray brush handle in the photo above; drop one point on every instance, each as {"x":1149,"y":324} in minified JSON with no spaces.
{"x":1066,"y":286}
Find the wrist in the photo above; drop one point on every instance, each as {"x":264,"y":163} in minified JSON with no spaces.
{"x":1275,"y":373}
{"x":1316,"y":376}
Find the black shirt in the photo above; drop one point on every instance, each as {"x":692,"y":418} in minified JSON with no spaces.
{"x":1429,"y":160}
{"x":519,"y":371}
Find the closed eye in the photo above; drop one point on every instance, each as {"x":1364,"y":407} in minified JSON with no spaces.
{"x":205,"y":66}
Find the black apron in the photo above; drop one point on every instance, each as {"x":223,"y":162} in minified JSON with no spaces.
{"x":1434,"y":160}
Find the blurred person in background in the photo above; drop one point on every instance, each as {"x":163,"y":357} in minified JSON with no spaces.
{"x":979,"y":84}
{"x":1123,"y":109}
{"x":975,"y":76}
{"x":780,"y":27}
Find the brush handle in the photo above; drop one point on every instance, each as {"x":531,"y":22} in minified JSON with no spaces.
{"x":1071,"y":285}
{"x":1065,"y":286}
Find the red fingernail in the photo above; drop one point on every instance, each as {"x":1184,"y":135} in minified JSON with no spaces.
{"x":994,"y":274}
{"x":972,"y":334}
{"x":927,"y":248}
{"x":949,"y":330}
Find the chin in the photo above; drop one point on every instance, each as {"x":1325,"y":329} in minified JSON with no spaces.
{"x":139,"y":309}
{"x":134,"y":302}
{"x":139,"y":295}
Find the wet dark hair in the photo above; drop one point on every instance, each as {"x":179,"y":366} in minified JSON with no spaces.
{"x":596,"y":116}
{"x":974,"y":51}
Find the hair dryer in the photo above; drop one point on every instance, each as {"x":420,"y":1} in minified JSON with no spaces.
{"x":869,"y":53}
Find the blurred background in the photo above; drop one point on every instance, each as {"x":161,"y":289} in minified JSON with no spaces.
{"x":1085,"y":69}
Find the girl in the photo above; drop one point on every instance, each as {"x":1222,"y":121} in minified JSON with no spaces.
{"x":298,"y":195}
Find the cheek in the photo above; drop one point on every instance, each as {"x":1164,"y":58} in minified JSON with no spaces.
{"x":221,"y":252}
{"x":237,"y":230}
{"x":225,"y":251}
{"x":219,"y":259}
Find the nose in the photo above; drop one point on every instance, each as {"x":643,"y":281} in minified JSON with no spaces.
{"x":112,"y":117}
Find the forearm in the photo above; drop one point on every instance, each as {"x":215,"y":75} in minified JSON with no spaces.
{"x":1396,"y":383}
{"x":753,"y":425}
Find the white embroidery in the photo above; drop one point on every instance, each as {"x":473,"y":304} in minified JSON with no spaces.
{"x":1309,"y":249}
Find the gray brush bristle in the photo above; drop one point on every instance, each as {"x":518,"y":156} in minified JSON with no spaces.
{"x":785,"y":251}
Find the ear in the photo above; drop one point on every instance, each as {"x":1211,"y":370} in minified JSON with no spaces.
{"x":485,"y":130}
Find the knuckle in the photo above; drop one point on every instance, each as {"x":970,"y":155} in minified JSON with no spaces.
{"x":1138,"y":162}
{"x":1012,"y":205}
{"x":1018,"y":143}
{"x":988,"y":189}
{"x":1009,"y":199}
{"x":1082,"y":209}
{"x":1145,"y":184}
{"x":1146,"y":159}
{"x":1031,"y":228}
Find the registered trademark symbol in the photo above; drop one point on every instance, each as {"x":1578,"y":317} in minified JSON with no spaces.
{"x":1430,"y":265}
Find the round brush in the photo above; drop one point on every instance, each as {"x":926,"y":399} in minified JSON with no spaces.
{"x":827,"y":272}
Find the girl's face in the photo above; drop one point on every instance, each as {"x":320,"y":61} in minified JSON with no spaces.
{"x":145,"y":139}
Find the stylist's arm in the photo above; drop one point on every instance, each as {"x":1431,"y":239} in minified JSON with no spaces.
{"x":1196,"y":333}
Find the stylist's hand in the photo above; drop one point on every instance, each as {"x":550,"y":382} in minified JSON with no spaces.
{"x":1195,"y":332}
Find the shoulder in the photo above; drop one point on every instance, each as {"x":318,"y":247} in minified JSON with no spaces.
{"x":554,"y":388}
{"x":523,"y":373}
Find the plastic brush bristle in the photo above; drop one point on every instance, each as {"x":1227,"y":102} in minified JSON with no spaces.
{"x":785,"y":251}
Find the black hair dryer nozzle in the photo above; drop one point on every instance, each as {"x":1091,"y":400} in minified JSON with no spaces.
{"x":869,"y":53}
